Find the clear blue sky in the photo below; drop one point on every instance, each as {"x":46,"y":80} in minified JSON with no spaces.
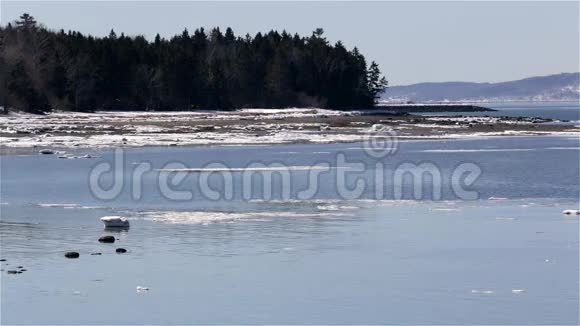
{"x":412,"y":41}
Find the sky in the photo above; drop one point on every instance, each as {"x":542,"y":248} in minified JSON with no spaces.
{"x":412,"y":41}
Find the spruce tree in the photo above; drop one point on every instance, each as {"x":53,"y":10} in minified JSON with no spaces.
{"x":377,"y":84}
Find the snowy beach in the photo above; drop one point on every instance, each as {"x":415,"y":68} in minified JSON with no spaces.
{"x":27,"y":133}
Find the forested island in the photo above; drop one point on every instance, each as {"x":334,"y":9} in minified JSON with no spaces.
{"x":42,"y":70}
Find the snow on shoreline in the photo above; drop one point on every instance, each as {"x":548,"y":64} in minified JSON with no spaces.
{"x":242,"y":127}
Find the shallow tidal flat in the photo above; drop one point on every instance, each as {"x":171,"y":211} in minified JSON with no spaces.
{"x":22,"y":133}
{"x":507,"y":258}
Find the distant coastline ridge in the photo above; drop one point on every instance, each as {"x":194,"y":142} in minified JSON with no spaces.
{"x":564,"y":87}
{"x":433,"y":107}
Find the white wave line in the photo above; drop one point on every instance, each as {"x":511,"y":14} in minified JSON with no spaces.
{"x":264,"y":169}
{"x":477,"y":150}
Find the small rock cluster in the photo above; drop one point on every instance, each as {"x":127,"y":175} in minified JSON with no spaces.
{"x":18,"y":270}
{"x":103,"y":239}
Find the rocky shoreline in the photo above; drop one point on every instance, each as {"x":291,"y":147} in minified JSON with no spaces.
{"x":25,"y":133}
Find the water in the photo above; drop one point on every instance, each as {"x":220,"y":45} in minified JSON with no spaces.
{"x":556,"y":110}
{"x":323,"y":260}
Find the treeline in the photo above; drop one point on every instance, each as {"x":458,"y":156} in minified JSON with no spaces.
{"x":43,"y":70}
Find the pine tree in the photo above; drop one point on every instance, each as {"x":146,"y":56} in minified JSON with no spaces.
{"x":377,"y":84}
{"x":26,"y":22}
{"x":230,"y":37}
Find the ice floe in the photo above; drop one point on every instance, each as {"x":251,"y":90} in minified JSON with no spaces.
{"x":571,"y":212}
{"x":115,"y":222}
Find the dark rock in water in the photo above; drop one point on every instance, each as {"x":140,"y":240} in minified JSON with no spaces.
{"x":12,"y":272}
{"x":107,"y":239}
{"x":2,"y":259}
{"x":121,"y":250}
{"x":23,"y":270}
{"x":19,"y":266}
{"x":72,"y":254}
{"x":96,"y":254}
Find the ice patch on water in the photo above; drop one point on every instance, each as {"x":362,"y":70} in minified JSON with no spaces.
{"x":296,"y":201}
{"x":318,"y":204}
{"x":65,"y":205}
{"x":58,"y":205}
{"x":476,"y":150}
{"x":12,"y":223}
{"x":445,"y":209}
{"x":340,"y":203}
{"x":393,"y":202}
{"x":335,"y":207}
{"x":255,"y":169}
{"x":208,"y":217}
{"x":565,"y":148}
{"x":200,"y":217}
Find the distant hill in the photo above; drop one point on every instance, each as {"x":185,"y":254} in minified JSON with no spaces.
{"x":561,"y":87}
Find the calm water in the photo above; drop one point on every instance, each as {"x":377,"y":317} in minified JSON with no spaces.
{"x":557,"y":110}
{"x":323,"y":260}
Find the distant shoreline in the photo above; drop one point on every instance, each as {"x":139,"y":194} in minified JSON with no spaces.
{"x":428,"y":107}
{"x":480,"y":102}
